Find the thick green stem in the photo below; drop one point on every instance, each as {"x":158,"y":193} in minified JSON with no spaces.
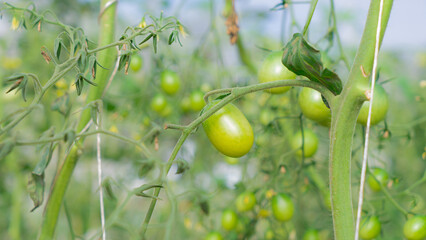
{"x":106,"y":58}
{"x":345,"y":109}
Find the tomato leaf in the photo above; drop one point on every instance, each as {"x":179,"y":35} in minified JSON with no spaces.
{"x":35,"y":187}
{"x":182,"y":166}
{"x":303,"y":59}
{"x":145,"y":167}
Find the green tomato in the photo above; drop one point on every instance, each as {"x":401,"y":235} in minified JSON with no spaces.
{"x":229,"y":220}
{"x":266,"y":116}
{"x":214,"y":236}
{"x":158,"y":103}
{"x":310,"y":141}
{"x":197,"y":100}
{"x":269,"y":234}
{"x":370,"y":228}
{"x":272,"y":69}
{"x":229,"y":130}
{"x":170,"y":82}
{"x":136,"y":62}
{"x":382,"y":179}
{"x":245,"y":201}
{"x":282,"y":207}
{"x":415,"y":228}
{"x":231,"y":160}
{"x":379,"y":110}
{"x":312,"y":106}
{"x":311,"y":234}
{"x":185,"y":104}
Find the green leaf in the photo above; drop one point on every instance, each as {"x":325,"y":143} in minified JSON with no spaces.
{"x":44,"y":161}
{"x":155,"y":42}
{"x":57,"y":47}
{"x":140,"y":190}
{"x":302,"y":59}
{"x":182,"y":166}
{"x":145,"y":167}
{"x":35,"y":187}
{"x":147,"y":38}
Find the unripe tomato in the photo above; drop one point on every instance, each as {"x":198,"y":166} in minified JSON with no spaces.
{"x":312,"y":106}
{"x":170,"y":82}
{"x":272,"y":69}
{"x":197,"y":100}
{"x":311,"y":234}
{"x":379,"y":110}
{"x":269,"y":234}
{"x":214,"y":236}
{"x":415,"y":228}
{"x":229,"y":130}
{"x":282,"y":207}
{"x":136,"y":62}
{"x":382,"y":178}
{"x":158,"y":103}
{"x":229,"y":220}
{"x":370,"y":228}
{"x":185,"y":104}
{"x":310,"y":143}
{"x":245,"y":201}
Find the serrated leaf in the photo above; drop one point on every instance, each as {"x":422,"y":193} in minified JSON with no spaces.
{"x":302,"y":59}
{"x":35,"y":188}
{"x":182,"y":166}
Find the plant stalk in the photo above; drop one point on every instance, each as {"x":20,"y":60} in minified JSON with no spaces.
{"x":106,"y":58}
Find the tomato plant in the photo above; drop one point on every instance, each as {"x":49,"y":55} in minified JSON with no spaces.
{"x":170,"y":82}
{"x":310,"y":143}
{"x":377,"y":179}
{"x":272,"y":69}
{"x":136,"y":62}
{"x":245,"y":201}
{"x":370,"y":227}
{"x":229,"y":219}
{"x":379,"y":110}
{"x":229,"y":130}
{"x":415,"y":228}
{"x":313,"y":107}
{"x":196,"y":99}
{"x":282,"y":207}
{"x":311,"y":234}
